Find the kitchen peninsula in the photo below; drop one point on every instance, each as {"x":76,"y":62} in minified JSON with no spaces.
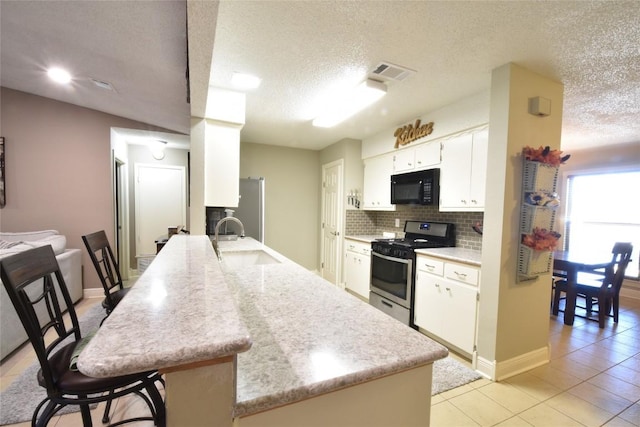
{"x":258,"y":340}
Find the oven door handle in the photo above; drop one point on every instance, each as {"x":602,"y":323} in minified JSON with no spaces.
{"x":392,"y":259}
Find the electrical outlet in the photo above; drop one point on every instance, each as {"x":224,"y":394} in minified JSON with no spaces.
{"x":397,"y":222}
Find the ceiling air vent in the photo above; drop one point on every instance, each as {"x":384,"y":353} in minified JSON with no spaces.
{"x":390,"y":71}
{"x":101,"y":84}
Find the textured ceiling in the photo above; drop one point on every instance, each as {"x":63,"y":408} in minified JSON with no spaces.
{"x":302,"y":49}
{"x":139,"y":47}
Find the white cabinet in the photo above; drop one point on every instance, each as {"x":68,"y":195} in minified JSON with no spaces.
{"x":427,"y":155}
{"x":221,"y":165}
{"x":420,"y":157}
{"x":463,"y":172}
{"x":404,"y":160}
{"x":446,"y":301}
{"x":357,"y":267}
{"x":377,"y":183}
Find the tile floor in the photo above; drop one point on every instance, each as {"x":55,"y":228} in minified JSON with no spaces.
{"x":593,"y":379}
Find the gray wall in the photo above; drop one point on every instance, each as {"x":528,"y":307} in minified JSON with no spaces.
{"x":292,"y":209}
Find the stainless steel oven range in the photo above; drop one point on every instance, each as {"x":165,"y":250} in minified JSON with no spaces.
{"x":392,"y":281}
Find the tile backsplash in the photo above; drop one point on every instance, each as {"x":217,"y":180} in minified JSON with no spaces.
{"x":360,"y":222}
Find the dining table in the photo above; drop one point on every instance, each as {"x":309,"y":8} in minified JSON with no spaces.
{"x":571,"y":263}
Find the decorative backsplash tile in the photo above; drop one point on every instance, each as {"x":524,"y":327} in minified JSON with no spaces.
{"x":359,"y":222}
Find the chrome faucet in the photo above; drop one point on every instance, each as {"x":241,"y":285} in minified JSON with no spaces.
{"x":229,"y":218}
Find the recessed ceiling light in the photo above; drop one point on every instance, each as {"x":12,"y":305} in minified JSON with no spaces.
{"x":245,"y":81}
{"x":59,"y":75}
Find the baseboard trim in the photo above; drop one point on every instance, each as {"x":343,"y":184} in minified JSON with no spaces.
{"x":92,"y":293}
{"x":630,"y":290}
{"x":498,"y":371}
{"x":485,"y":367}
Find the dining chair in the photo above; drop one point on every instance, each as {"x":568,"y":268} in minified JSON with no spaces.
{"x":33,"y":280}
{"x":106,"y":266}
{"x":601,"y":288}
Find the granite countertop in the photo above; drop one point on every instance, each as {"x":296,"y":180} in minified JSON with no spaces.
{"x":179,"y":311}
{"x":365,"y":238}
{"x":468,"y":256}
{"x":300,"y":347}
{"x":297,"y":336}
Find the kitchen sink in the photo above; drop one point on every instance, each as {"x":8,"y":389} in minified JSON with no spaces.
{"x":236,"y":259}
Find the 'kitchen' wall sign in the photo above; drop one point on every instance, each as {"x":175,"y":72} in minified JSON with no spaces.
{"x":409,"y":133}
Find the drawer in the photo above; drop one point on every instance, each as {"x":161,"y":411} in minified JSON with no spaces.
{"x":357,"y":247}
{"x":461,"y":273}
{"x":430,"y":265}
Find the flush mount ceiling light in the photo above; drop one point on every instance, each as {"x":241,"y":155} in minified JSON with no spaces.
{"x":245,"y":81}
{"x":59,"y":75}
{"x":363,"y":95}
{"x":157,"y":149}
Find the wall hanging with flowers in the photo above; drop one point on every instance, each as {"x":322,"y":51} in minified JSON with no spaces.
{"x":538,"y":212}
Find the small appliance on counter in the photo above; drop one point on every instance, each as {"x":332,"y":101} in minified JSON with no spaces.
{"x":392,"y":281}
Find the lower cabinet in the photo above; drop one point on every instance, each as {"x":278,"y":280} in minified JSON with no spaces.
{"x":446,"y":301}
{"x":357,"y":267}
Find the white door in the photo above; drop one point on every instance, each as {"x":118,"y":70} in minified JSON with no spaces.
{"x":160,"y":195}
{"x":331,"y":220}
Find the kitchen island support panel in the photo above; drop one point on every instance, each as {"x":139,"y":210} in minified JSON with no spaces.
{"x":403,"y":399}
{"x":203,"y":396}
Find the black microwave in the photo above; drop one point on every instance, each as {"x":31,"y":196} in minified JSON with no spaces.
{"x":416,"y":188}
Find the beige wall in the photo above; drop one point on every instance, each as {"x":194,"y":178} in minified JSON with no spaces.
{"x":292,"y":207}
{"x":58,"y":169}
{"x":513,"y":326}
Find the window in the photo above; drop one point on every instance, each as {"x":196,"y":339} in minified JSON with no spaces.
{"x":602,"y":209}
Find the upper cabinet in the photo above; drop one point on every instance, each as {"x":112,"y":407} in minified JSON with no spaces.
{"x":420,"y":157}
{"x":220,"y":142}
{"x":377,"y":183}
{"x":428,"y":155}
{"x":221,"y":165}
{"x":463,"y":172}
{"x":404,"y":160}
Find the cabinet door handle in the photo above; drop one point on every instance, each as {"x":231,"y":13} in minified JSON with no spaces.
{"x":430,"y":266}
{"x":462,"y":275}
{"x":448,"y":289}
